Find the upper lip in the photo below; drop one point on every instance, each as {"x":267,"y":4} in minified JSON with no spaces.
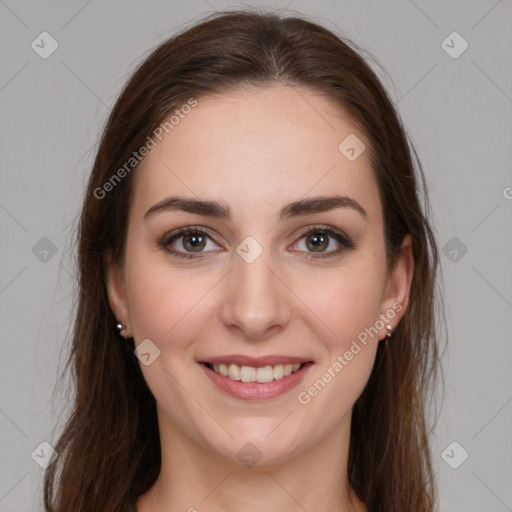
{"x":256,"y":362}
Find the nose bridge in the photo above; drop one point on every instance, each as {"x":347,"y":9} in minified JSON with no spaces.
{"x":255,"y":299}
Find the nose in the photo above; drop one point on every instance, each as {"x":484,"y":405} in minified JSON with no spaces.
{"x":256,"y":301}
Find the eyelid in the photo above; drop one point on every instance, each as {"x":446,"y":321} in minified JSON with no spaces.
{"x":341,"y":237}
{"x":178,"y":233}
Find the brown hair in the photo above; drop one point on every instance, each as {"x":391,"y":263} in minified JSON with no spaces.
{"x":109,"y":450}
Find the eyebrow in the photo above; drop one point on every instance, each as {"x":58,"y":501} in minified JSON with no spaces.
{"x":222,"y":211}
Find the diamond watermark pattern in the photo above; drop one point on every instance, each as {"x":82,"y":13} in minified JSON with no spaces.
{"x":44,"y":454}
{"x":249,"y":455}
{"x":44,"y":250}
{"x":454,"y":249}
{"x":249,"y":249}
{"x":44,"y":45}
{"x":454,"y":455}
{"x":147,"y":352}
{"x":454,"y":45}
{"x":351,"y":147}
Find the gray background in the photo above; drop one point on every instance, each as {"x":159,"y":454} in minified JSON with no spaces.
{"x":457,"y":110}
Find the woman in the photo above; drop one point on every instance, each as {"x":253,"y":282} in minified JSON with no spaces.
{"x":255,"y":327}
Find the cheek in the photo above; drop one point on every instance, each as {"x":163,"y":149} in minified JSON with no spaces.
{"x":346,"y":301}
{"x":330,"y":394}
{"x":165,"y":305}
{"x":345,"y":309}
{"x":170,"y":308}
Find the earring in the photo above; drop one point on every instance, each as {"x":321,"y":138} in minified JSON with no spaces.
{"x":389,"y":329}
{"x":120,"y":327}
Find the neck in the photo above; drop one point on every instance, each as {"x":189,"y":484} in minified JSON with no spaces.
{"x":193,"y":478}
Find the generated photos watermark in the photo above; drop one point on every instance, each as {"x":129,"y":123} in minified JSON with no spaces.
{"x":137,"y":156}
{"x":304,"y":397}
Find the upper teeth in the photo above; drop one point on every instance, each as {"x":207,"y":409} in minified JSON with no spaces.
{"x":251,"y":374}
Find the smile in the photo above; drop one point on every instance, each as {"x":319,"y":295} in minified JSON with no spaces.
{"x":248,"y":378}
{"x":253,"y":374}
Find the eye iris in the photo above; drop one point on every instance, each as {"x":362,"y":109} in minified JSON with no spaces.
{"x":320,"y":241}
{"x":196,"y":241}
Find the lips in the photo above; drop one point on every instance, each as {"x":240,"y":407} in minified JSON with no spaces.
{"x":255,"y":362}
{"x":255,"y":378}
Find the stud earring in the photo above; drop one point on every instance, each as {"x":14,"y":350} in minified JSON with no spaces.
{"x":120,"y":327}
{"x":389,"y":329}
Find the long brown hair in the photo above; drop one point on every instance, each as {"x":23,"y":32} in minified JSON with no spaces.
{"x":109,"y":450}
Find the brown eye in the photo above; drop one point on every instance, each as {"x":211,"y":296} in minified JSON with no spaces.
{"x":194,"y":242}
{"x":317,"y":242}
{"x":189,"y":243}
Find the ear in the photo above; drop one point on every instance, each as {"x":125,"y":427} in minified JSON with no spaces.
{"x":114,"y":281}
{"x":398,"y":286}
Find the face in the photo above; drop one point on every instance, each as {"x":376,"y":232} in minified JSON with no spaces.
{"x":286,"y":274}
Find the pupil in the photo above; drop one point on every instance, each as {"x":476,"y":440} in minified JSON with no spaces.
{"x":194,"y":241}
{"x":319,"y":242}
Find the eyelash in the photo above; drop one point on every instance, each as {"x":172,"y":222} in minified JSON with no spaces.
{"x":345,"y":241}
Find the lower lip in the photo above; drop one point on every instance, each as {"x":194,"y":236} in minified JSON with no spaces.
{"x":256,"y":390}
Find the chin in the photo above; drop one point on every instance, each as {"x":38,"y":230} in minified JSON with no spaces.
{"x":260,"y":445}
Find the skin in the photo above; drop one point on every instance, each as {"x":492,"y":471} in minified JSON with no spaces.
{"x":256,"y":151}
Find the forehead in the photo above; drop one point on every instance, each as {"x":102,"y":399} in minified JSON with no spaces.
{"x":259,"y":147}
